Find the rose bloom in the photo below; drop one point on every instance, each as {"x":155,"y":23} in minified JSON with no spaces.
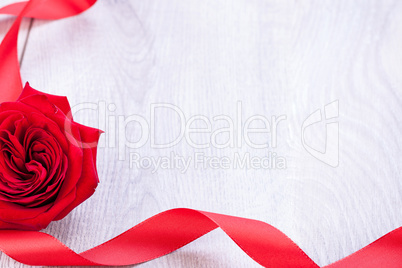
{"x":47,"y":161}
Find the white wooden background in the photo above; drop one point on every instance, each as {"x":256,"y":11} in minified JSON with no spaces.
{"x":276,"y":57}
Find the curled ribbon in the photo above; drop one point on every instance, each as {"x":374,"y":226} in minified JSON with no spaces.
{"x":172,"y":229}
{"x":169,"y":230}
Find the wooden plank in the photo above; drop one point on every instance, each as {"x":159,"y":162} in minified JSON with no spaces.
{"x":204,"y":57}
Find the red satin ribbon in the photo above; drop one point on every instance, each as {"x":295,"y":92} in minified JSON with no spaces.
{"x":10,"y":77}
{"x":169,"y":230}
{"x":172,"y":229}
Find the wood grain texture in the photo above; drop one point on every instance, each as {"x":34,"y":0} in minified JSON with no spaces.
{"x":276,"y":57}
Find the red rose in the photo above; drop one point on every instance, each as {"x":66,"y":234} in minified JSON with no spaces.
{"x":47,"y":161}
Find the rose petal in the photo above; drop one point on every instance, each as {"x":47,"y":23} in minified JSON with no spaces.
{"x":60,"y":101}
{"x":38,"y":182}
{"x":89,"y":177}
